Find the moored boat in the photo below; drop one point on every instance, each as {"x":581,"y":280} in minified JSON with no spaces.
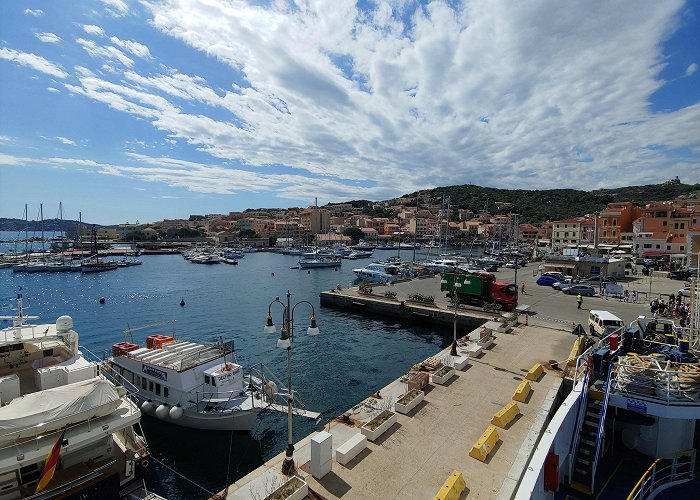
{"x":197,"y":385}
{"x":56,"y":399}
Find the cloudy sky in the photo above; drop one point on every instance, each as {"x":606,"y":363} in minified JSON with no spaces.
{"x":132,"y":110}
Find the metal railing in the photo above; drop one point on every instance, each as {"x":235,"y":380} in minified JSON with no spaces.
{"x":664,"y":473}
{"x":659,"y":385}
{"x":578,"y":425}
{"x":601,"y":428}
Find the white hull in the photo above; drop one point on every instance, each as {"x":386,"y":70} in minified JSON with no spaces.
{"x":235,"y":420}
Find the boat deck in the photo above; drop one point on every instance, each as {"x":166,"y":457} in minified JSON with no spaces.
{"x":178,"y":355}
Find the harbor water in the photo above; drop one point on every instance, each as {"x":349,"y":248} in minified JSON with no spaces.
{"x":353,"y":357}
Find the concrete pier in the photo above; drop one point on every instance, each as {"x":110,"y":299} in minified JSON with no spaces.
{"x":415,"y":456}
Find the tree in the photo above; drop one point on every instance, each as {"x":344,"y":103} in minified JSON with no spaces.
{"x":355,"y":233}
{"x":248,"y":233}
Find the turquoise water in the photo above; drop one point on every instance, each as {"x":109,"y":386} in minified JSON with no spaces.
{"x":353,"y":357}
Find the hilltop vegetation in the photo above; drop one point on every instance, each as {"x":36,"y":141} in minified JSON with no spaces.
{"x":552,"y":204}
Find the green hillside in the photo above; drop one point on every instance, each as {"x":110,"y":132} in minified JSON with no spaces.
{"x":553,"y":204}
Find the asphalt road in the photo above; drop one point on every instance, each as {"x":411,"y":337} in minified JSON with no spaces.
{"x":553,"y":307}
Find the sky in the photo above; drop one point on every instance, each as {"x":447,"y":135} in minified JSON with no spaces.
{"x":126,"y":110}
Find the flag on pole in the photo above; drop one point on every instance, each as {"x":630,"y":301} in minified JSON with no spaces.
{"x":51,"y":463}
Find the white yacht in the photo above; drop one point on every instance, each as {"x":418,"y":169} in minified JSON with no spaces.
{"x":198,"y":385}
{"x":52,"y":397}
{"x":378,"y":272}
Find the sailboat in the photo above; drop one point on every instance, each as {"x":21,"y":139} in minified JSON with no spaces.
{"x":93,"y":264}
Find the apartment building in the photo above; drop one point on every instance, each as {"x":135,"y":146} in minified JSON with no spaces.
{"x":614,"y":220}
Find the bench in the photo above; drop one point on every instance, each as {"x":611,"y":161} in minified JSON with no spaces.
{"x":350,"y":448}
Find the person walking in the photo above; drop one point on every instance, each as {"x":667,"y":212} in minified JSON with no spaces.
{"x":522,"y":288}
{"x":579,"y":301}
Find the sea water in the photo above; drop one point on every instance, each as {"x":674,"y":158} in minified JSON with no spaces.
{"x":353,"y":356}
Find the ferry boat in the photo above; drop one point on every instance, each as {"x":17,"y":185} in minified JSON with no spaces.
{"x":197,"y":385}
{"x":639,"y":388}
{"x":55,"y":398}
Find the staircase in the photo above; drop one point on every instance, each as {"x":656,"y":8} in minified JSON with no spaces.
{"x":583,"y":465}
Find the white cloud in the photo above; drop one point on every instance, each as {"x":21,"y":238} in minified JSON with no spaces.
{"x":691,"y":69}
{"x":34,"y":12}
{"x":66,"y":141}
{"x":5,"y":138}
{"x":116,"y":8}
{"x":52,"y":89}
{"x":105,"y":52}
{"x":33,"y":61}
{"x":398,"y":96}
{"x":93,"y":30}
{"x":135,"y":48}
{"x":48,"y":37}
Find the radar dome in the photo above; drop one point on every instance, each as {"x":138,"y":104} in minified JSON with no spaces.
{"x":64,"y":324}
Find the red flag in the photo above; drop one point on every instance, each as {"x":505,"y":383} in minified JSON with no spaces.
{"x":51,"y":463}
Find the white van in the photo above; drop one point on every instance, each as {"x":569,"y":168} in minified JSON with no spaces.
{"x":603,"y":323}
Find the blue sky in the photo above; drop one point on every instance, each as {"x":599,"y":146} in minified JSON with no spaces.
{"x":144,"y":110}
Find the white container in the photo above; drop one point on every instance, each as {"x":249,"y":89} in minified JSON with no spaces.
{"x":321,"y":454}
{"x":406,"y":408}
{"x":373,"y":434}
{"x":461,"y":362}
{"x":442,"y":379}
{"x":300,"y":493}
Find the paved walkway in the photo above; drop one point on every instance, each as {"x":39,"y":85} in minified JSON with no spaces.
{"x":414,"y":457}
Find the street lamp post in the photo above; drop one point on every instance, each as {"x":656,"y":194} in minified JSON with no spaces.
{"x":455,"y":301}
{"x":285,"y":342}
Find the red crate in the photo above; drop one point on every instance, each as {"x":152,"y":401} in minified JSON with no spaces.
{"x":157,"y":341}
{"x":121,"y":348}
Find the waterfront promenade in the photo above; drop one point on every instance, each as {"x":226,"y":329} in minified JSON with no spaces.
{"x":414,"y":457}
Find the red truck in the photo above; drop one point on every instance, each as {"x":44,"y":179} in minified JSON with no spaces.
{"x":480,"y":288}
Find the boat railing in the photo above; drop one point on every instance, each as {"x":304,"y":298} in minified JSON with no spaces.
{"x":264,"y":375}
{"x":664,"y":473}
{"x":582,"y":387}
{"x":110,"y":373}
{"x":213,"y":351}
{"x":601,"y":428}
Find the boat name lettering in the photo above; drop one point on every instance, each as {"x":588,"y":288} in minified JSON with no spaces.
{"x":635,"y":405}
{"x":154,"y":372}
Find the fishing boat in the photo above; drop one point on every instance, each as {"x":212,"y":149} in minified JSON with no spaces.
{"x":56,"y":400}
{"x":93,"y":264}
{"x":197,"y":385}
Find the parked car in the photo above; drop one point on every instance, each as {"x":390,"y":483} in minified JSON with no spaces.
{"x":511,"y":265}
{"x":586,"y":290}
{"x":559,"y":276}
{"x":679,"y":274}
{"x":562,"y":284}
{"x":685,"y":292}
{"x":545,"y":280}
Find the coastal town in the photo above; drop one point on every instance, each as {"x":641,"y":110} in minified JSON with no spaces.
{"x":666,"y":230}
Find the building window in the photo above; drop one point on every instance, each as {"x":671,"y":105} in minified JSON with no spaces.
{"x":668,"y":247}
{"x":658,"y":247}
{"x":647,"y":245}
{"x":675,"y":226}
{"x":664,"y":223}
{"x":614,"y":232}
{"x":682,"y":225}
{"x":614,"y":222}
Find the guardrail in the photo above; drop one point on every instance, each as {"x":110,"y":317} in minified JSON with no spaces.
{"x":664,"y":473}
{"x":601,"y":428}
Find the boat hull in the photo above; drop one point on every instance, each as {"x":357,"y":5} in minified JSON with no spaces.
{"x":236,"y":420}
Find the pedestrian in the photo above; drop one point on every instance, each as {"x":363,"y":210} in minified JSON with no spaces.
{"x":634,"y":296}
{"x":522,"y":288}
{"x":579,"y":301}
{"x":627,"y":295}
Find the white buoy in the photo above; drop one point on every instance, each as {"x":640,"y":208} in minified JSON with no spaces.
{"x":176,"y":412}
{"x":147,"y":407}
{"x":162,"y":412}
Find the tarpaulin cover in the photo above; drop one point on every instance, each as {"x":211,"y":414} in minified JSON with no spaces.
{"x":57,"y":407}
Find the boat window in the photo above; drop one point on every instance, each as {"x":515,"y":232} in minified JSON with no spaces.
{"x":47,"y":352}
{"x":166,"y":392}
{"x":138,"y":381}
{"x":150,"y":385}
{"x":207,"y":379}
{"x":157,"y":389}
{"x":143,"y":383}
